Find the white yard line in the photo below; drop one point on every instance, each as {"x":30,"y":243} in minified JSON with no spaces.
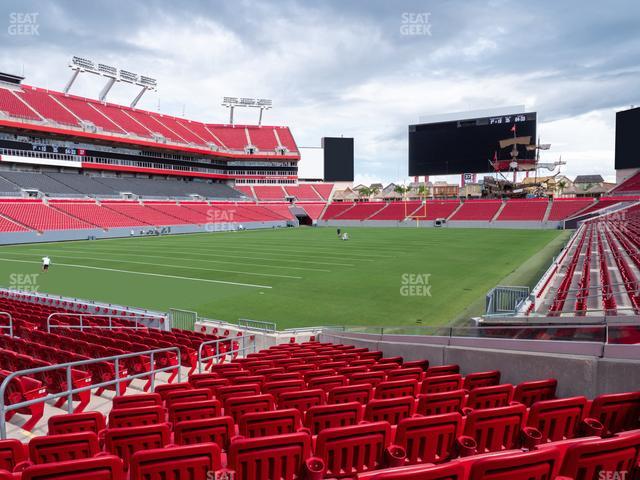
{"x":157,"y":264}
{"x":249,"y":285}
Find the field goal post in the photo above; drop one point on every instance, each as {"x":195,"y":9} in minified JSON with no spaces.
{"x":183,"y":319}
{"x":419,"y":214}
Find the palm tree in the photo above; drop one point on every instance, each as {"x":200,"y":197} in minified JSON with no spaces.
{"x":401,"y":190}
{"x":561,"y":186}
{"x":364,"y":192}
{"x":374,"y":190}
{"x":423,"y":192}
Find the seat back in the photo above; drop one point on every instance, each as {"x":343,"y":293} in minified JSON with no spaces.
{"x":617,"y":411}
{"x":442,"y":370}
{"x":372,"y":378}
{"x":241,"y":390}
{"x":441,"y":383}
{"x":183,"y":411}
{"x":124,"y":442}
{"x":164,"y":389}
{"x":12,"y":452}
{"x":396,"y":388}
{"x":448,"y":471}
{"x":588,"y":458}
{"x":404,"y":373}
{"x":328,"y":382}
{"x":533,"y":465}
{"x":351,"y":393}
{"x":429,"y":439}
{"x":176,"y":463}
{"x":390,"y":410}
{"x":139,"y":400}
{"x":65,"y":447}
{"x":421,"y":364}
{"x":263,"y":424}
{"x":301,"y":400}
{"x":192,"y":395}
{"x":107,"y":467}
{"x":439,"y":403}
{"x":481,"y":379}
{"x":328,"y":416}
{"x":134,"y":417}
{"x":218,"y":430}
{"x":76,"y":422}
{"x":490,"y":397}
{"x":278,"y":457}
{"x":495,"y":429}
{"x":280,"y":386}
{"x":557,"y":419}
{"x":352,"y":449}
{"x":238,"y":406}
{"x":529,"y":393}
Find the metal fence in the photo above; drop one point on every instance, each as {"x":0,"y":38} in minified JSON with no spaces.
{"x":7,"y":327}
{"x":242,"y":348}
{"x":83,"y":317}
{"x":183,"y":319}
{"x":505,"y":300}
{"x":70,"y":391}
{"x":257,"y":325}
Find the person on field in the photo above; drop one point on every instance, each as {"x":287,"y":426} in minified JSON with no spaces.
{"x":345,"y":236}
{"x":338,"y":233}
{"x":46,"y":261}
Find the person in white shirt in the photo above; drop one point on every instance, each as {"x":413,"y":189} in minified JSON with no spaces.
{"x":46,"y":261}
{"x":345,"y":236}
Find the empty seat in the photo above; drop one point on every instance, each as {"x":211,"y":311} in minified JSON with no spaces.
{"x":328,"y":382}
{"x":193,"y":395}
{"x":275,"y":457}
{"x":218,"y":430}
{"x":442,"y":370}
{"x":490,"y":397}
{"x":448,"y":471}
{"x":557,"y":419}
{"x":263,"y":424}
{"x":12,"y":452}
{"x":429,"y":439}
{"x":414,"y":373}
{"x":242,"y":390}
{"x":76,"y":422}
{"x":391,"y":410}
{"x":441,"y":383}
{"x":199,"y":461}
{"x":347,"y":451}
{"x":372,"y":378}
{"x":481,"y":379}
{"x":61,"y":448}
{"x":164,"y":390}
{"x":495,"y":429}
{"x":238,"y":406}
{"x":301,"y":400}
{"x":182,"y":411}
{"x":442,"y":402}
{"x":396,"y":388}
{"x":107,"y":467}
{"x":138,"y":400}
{"x":124,"y":442}
{"x":133,"y":417}
{"x":320,"y":417}
{"x":617,"y":411}
{"x":351,"y":393}
{"x":534,"y":465}
{"x":529,"y":393}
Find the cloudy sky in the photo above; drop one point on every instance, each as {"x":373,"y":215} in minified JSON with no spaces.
{"x":354,"y":68}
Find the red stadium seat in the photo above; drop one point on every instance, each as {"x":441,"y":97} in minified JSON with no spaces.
{"x":529,"y":393}
{"x":617,"y":411}
{"x":76,"y":422}
{"x":218,"y":430}
{"x":180,"y":412}
{"x":264,"y":424}
{"x":301,"y":400}
{"x":12,"y":452}
{"x":429,"y":439}
{"x":535,"y":465}
{"x":199,"y":461}
{"x":391,"y":410}
{"x":105,"y":467}
{"x":441,"y":383}
{"x":489,"y":397}
{"x":138,"y":400}
{"x":62,"y":448}
{"x":442,"y":402}
{"x":320,"y":417}
{"x":481,"y":379}
{"x":395,"y":389}
{"x":351,"y":393}
{"x":192,"y":395}
{"x":124,"y":442}
{"x":559,"y":419}
{"x":496,"y":429}
{"x":238,"y":406}
{"x":134,"y":417}
{"x":442,"y":370}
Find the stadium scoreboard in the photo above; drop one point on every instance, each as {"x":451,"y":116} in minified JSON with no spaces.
{"x":627,"y":133}
{"x":468,"y":145}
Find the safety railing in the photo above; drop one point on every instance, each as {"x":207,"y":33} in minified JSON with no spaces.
{"x":244,"y":347}
{"x":70,"y":391}
{"x":257,"y":325}
{"x":138,"y":320}
{"x":7,"y":327}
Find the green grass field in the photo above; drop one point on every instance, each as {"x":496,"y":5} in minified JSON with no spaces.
{"x":294,"y":277}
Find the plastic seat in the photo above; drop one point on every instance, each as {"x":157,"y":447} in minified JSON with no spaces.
{"x":481,"y":379}
{"x":391,"y":410}
{"x":235,"y":407}
{"x":439,"y":403}
{"x":559,"y":419}
{"x":183,"y":411}
{"x":244,"y":390}
{"x":490,"y":397}
{"x":138,"y":400}
{"x":107,"y":467}
{"x":372,"y":378}
{"x":496,"y":429}
{"x":23,"y":389}
{"x":328,"y":382}
{"x":320,"y":417}
{"x":349,"y":450}
{"x":176,"y":463}
{"x":12,"y":452}
{"x":421,"y":364}
{"x":301,"y":400}
{"x":404,"y":373}
{"x":617,"y":411}
{"x":165,"y":389}
{"x":277,"y":387}
{"x":442,"y":370}
{"x":134,"y":417}
{"x":61,"y":448}
{"x":396,"y":388}
{"x":351,"y":393}
{"x":429,"y":439}
{"x":441,"y":383}
{"x":76,"y":422}
{"x":263,"y":424}
{"x":218,"y":430}
{"x":534,"y":465}
{"x":529,"y":393}
{"x":192,"y":395}
{"x":124,"y":442}
{"x":276,"y":457}
{"x":448,"y":471}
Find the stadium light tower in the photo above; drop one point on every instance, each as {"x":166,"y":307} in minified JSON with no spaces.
{"x":232,"y":102}
{"x":113,"y":75}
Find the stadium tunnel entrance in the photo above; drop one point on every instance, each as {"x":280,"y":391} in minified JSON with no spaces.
{"x":302,"y":216}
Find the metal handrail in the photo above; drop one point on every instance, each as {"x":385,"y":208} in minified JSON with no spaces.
{"x":257,"y":325}
{"x":218,"y":354}
{"x":10,"y":326}
{"x":110,"y":317}
{"x":70,"y":392}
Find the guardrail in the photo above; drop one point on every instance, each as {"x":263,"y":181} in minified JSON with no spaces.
{"x":257,"y":325}
{"x":7,"y":327}
{"x":83,"y":316}
{"x":202,"y":359}
{"x":70,"y":391}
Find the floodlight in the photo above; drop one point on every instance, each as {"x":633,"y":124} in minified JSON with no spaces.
{"x":148,"y":81}
{"x":107,"y":70}
{"x":247,"y":102}
{"x":129,"y":77}
{"x":265,"y":103}
{"x":83,"y":63}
